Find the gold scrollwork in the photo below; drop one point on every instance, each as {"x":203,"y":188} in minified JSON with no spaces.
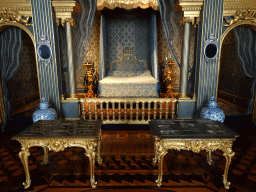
{"x":59,"y":145}
{"x":13,"y":16}
{"x":247,"y":15}
{"x":162,"y":146}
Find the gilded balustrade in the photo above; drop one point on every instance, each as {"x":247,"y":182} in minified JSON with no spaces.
{"x":127,"y":110}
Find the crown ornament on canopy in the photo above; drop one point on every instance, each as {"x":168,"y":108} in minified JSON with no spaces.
{"x":127,"y":51}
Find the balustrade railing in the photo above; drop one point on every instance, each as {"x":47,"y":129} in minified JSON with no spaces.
{"x":127,"y":110}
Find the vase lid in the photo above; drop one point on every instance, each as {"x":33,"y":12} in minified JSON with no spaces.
{"x":212,"y":103}
{"x":43,"y":104}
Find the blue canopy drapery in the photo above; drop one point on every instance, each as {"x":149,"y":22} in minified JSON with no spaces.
{"x":245,"y":39}
{"x":82,"y":32}
{"x":10,"y":49}
{"x":166,"y":8}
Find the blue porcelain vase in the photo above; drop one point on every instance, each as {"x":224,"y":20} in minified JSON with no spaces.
{"x":212,"y":111}
{"x":44,"y":113}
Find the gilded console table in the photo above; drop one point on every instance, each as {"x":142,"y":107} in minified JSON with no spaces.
{"x":195,"y":135}
{"x":56,"y":135}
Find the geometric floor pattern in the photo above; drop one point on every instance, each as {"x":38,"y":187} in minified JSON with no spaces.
{"x":127,"y":166}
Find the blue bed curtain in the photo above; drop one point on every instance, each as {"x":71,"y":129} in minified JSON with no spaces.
{"x":245,"y":38}
{"x":82,"y":31}
{"x":10,"y":49}
{"x":166,"y":8}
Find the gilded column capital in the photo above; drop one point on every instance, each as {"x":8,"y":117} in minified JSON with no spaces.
{"x":67,"y":20}
{"x":64,"y":11}
{"x":191,"y":10}
{"x":187,"y":20}
{"x":193,"y":20}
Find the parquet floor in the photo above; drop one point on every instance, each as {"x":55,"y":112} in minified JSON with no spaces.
{"x":127,"y":166}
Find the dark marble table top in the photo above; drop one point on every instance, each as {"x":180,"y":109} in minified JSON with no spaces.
{"x":190,"y":129}
{"x":61,"y":128}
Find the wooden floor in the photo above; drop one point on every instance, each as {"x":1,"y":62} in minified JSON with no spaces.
{"x":127,"y":166}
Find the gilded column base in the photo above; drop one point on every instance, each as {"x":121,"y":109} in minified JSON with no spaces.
{"x":72,"y":96}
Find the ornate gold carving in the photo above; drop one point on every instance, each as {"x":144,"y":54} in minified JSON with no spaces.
{"x":131,"y":4}
{"x":169,"y":78}
{"x":13,"y":16}
{"x":187,"y":20}
{"x":161,"y":148}
{"x":89,"y":81}
{"x":22,"y":6}
{"x":239,"y":16}
{"x":191,"y":9}
{"x":64,"y":11}
{"x":59,"y":145}
{"x":67,"y":20}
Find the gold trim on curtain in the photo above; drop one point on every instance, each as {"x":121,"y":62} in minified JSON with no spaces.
{"x":127,"y":4}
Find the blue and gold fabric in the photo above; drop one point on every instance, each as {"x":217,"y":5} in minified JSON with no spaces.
{"x":128,"y":77}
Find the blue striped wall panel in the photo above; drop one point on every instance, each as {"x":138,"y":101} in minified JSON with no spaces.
{"x":48,"y":75}
{"x":207,"y":72}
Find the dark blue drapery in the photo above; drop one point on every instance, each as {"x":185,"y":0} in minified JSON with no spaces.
{"x":10,"y":49}
{"x":245,"y":39}
{"x":166,"y":8}
{"x":82,"y":32}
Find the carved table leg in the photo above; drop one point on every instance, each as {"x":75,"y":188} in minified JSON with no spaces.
{"x":24,"y":153}
{"x":92,"y":164}
{"x":156,"y":145}
{"x":228,"y":154}
{"x":160,"y":152}
{"x":160,"y":169}
{"x":45,"y":155}
{"x":98,"y":149}
{"x":90,"y":152}
{"x":209,"y":157}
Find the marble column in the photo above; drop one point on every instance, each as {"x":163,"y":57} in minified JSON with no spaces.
{"x":185,"y":61}
{"x":71,"y":64}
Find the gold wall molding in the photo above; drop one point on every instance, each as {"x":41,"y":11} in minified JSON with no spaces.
{"x":192,"y":8}
{"x":240,"y":16}
{"x":22,"y":6}
{"x":13,"y":16}
{"x":65,"y":10}
{"x":231,"y":6}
